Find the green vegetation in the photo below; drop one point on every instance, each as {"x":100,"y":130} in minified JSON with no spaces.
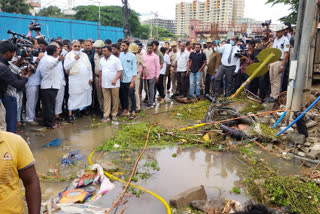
{"x":15,"y":6}
{"x":131,"y":137}
{"x":273,"y":189}
{"x":236,"y":190}
{"x":194,"y":111}
{"x":174,"y":155}
{"x":292,"y":17}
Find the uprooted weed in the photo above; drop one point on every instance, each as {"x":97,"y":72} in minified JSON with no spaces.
{"x":273,"y":189}
{"x":192,"y":111}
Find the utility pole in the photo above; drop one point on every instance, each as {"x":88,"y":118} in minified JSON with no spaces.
{"x":305,"y":42}
{"x":125,"y":11}
{"x":156,"y":15}
{"x":99,"y":24}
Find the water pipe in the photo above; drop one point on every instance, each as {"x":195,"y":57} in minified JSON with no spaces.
{"x":298,"y":118}
{"x":277,"y":123}
{"x":135,"y":186}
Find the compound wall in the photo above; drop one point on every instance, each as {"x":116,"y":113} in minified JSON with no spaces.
{"x":54,"y":27}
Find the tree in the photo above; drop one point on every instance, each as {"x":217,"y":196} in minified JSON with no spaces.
{"x":292,"y":17}
{"x":15,"y":6}
{"x":143,"y":32}
{"x":110,"y":16}
{"x":51,"y":11}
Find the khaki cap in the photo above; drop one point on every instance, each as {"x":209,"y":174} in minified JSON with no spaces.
{"x":133,"y":47}
{"x":98,"y":44}
{"x":174,"y":43}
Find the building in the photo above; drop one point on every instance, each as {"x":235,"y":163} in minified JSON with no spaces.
{"x":206,"y":12}
{"x":168,"y":24}
{"x":34,"y":4}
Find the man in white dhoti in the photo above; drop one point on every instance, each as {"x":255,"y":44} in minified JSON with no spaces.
{"x":78,"y":67}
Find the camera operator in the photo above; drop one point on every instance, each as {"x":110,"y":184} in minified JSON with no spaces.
{"x":34,"y":27}
{"x":230,"y":64}
{"x":7,"y":51}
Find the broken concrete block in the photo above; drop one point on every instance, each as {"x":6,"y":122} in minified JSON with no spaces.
{"x":215,"y":204}
{"x":183,"y":199}
{"x":316,"y":147}
{"x":290,"y":130}
{"x":301,"y":154}
{"x":314,"y":155}
{"x":311,"y":124}
{"x":298,"y":139}
{"x":305,"y":149}
{"x":307,"y":144}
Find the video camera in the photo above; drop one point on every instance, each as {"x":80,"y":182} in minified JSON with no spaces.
{"x":266,"y":23}
{"x":240,"y":53}
{"x":24,"y":49}
{"x":36,"y":26}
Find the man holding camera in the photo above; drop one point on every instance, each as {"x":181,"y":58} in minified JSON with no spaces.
{"x":7,"y":51}
{"x":230,"y":64}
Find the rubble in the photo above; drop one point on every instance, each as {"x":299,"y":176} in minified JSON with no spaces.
{"x":296,"y":138}
{"x":314,"y":155}
{"x":215,"y":204}
{"x":183,"y":199}
{"x":311,"y":124}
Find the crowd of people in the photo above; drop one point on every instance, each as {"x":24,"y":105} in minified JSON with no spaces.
{"x":69,"y":78}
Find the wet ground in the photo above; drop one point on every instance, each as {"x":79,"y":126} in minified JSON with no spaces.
{"x":217,"y":172}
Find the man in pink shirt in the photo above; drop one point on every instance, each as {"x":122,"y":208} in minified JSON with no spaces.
{"x":152,"y":72}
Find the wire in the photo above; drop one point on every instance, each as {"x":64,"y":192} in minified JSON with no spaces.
{"x":128,"y":183}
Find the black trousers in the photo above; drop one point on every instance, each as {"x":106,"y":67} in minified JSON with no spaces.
{"x":228,"y":72}
{"x":208,"y":83}
{"x":124,"y":94}
{"x":160,"y":86}
{"x":49,"y":102}
{"x":182,"y":83}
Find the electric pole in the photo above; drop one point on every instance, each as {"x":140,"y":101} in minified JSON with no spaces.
{"x":125,"y":10}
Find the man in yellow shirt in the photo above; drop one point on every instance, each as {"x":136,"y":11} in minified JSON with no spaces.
{"x":16,"y":161}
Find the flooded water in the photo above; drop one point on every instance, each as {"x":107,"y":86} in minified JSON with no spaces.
{"x":217,"y":172}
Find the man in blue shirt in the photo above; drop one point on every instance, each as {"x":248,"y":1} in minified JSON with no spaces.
{"x":129,"y":64}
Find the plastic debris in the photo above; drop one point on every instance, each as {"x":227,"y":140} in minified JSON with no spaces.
{"x":55,"y":143}
{"x":71,"y":158}
{"x":75,"y":196}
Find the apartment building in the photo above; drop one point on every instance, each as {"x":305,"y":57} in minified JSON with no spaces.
{"x":168,"y":24}
{"x":206,"y":12}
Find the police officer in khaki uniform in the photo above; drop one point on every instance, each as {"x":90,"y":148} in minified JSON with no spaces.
{"x":98,"y":45}
{"x":173,"y":61}
{"x":275,"y":69}
{"x":208,"y":51}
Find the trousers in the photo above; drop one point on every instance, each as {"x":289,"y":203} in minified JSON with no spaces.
{"x":99,"y":94}
{"x":195,"y":79}
{"x":275,"y":79}
{"x":3,"y":125}
{"x":32,"y":95}
{"x":151,"y":83}
{"x":173,"y":78}
{"x":111,"y":98}
{"x":137,"y":95}
{"x":182,"y":83}
{"x":59,"y":100}
{"x":49,"y":101}
{"x":228,"y":72}
{"x":10,"y":104}
{"x":160,"y":86}
{"x":125,"y":92}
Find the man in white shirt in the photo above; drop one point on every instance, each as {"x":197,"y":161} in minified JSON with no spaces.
{"x":275,"y":69}
{"x":182,"y":59}
{"x":163,"y":70}
{"x":230,"y":64}
{"x":50,"y":83}
{"x":109,"y":80}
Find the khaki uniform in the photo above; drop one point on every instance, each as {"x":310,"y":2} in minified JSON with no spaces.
{"x":96,"y":80}
{"x":140,"y":64}
{"x":275,"y":76}
{"x":207,"y":52}
{"x":173,"y":71}
{"x":3,"y":126}
{"x":111,"y":98}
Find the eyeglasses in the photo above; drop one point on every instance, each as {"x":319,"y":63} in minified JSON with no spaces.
{"x":77,"y":46}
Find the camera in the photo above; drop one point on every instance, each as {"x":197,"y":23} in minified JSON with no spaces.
{"x":36,"y":26}
{"x":241,"y":53}
{"x":266,"y":23}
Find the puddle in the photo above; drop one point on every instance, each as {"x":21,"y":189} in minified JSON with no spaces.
{"x":217,"y":172}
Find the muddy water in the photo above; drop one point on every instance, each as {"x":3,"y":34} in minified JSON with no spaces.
{"x":192,"y":167}
{"x":217,"y":172}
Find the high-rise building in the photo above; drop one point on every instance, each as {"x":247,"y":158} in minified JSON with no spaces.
{"x":209,"y":11}
{"x":168,"y":24}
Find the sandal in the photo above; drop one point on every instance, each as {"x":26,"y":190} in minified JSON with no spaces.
{"x":132,"y":116}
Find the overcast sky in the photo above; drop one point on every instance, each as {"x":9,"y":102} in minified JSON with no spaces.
{"x":255,"y":9}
